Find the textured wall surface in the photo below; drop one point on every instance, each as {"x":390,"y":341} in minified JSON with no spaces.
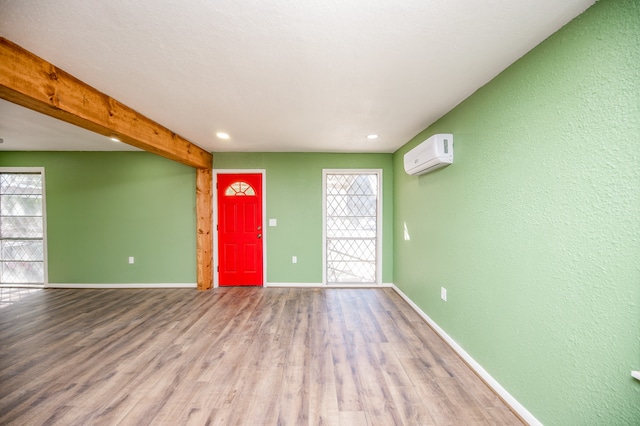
{"x":535,"y":229}
{"x":294,"y":198}
{"x":103,"y":207}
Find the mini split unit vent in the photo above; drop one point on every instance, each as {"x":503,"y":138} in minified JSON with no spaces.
{"x":432,"y":154}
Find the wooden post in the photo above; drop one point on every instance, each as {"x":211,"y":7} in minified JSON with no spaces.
{"x":204,"y":219}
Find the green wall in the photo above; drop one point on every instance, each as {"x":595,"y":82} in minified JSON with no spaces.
{"x":103,"y":207}
{"x":294,"y":198}
{"x":534,"y":230}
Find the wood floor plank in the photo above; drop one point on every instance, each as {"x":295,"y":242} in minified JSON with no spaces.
{"x":245,"y":355}
{"x":323,"y":406}
{"x":293,"y":404}
{"x":411,"y":413}
{"x":348,"y":387}
{"x":353,"y":418}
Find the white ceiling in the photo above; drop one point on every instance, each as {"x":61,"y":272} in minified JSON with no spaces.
{"x":279,"y":75}
{"x":24,"y":130}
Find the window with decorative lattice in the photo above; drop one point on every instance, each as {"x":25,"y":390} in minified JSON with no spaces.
{"x":352,"y":218}
{"x":22,"y":254}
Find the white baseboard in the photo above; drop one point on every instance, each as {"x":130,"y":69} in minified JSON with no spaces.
{"x":123,"y":285}
{"x":320,"y":285}
{"x":294,"y":285}
{"x":484,"y":375}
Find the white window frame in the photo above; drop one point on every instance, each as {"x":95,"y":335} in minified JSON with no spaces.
{"x":379,"y":222}
{"x":45,"y":262}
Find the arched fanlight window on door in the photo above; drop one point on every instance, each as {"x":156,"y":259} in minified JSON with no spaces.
{"x":239,"y":189}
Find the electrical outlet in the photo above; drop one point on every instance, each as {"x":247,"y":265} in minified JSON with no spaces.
{"x":131,"y":260}
{"x":443,"y":293}
{"x":294,"y":259}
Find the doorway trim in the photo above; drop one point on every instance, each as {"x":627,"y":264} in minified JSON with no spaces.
{"x":214,"y":194}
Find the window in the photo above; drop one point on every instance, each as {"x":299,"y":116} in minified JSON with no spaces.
{"x":352,"y":218}
{"x":239,"y":189}
{"x":22,"y":249}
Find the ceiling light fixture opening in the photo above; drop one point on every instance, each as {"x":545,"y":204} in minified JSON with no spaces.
{"x":222,"y":135}
{"x":372,"y":137}
{"x":114,"y":138}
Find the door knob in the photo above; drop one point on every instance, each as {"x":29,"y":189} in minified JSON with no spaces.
{"x":259,"y":228}
{"x":259,"y":235}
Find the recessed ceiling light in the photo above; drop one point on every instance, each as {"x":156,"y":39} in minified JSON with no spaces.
{"x":114,"y":138}
{"x":223,"y":135}
{"x":372,"y":137}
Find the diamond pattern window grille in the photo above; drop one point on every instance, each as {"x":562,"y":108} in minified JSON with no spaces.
{"x":21,"y":229}
{"x":351,"y":227}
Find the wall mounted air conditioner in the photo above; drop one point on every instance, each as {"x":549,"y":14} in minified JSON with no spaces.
{"x":432,"y":154}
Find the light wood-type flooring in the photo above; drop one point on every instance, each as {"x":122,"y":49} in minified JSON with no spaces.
{"x":232,"y":356}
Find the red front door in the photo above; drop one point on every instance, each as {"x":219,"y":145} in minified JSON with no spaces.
{"x":240,"y":229}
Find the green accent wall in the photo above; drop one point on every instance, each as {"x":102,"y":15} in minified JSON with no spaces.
{"x":535,"y":228}
{"x":103,"y":207}
{"x":294,"y":198}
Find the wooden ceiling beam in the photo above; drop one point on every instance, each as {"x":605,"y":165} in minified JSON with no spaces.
{"x":27,"y":80}
{"x":34,"y":83}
